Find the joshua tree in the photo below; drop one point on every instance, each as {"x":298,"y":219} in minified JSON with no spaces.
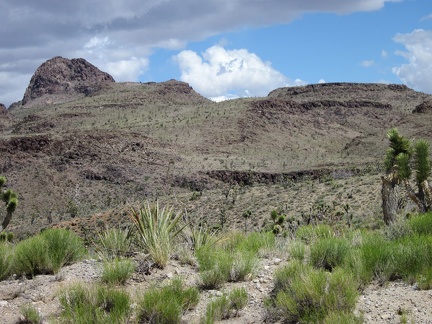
{"x":400,"y":161}
{"x":10,"y":199}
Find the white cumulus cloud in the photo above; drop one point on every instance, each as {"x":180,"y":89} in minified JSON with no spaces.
{"x":220,"y":73}
{"x":417,"y":72}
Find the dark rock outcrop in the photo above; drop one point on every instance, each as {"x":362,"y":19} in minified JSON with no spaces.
{"x":425,"y":107}
{"x":61,"y":76}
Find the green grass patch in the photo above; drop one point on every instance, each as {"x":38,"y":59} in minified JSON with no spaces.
{"x":226,"y":306}
{"x":113,"y":243}
{"x":167,"y":304}
{"x":117,"y":271}
{"x":329,"y":252}
{"x":309,"y":233}
{"x":83,"y":303}
{"x":64,"y":247}
{"x":306,"y":294}
{"x":421,"y":224}
{"x":5,"y":260}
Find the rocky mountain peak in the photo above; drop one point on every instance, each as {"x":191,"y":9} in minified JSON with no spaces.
{"x":62,"y":76}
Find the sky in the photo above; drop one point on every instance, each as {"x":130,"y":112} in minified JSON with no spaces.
{"x":223,"y":48}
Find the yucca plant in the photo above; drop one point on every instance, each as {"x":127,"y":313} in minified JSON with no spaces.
{"x":156,"y":228}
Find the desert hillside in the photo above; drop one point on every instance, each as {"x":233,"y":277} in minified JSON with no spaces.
{"x":80,"y":147}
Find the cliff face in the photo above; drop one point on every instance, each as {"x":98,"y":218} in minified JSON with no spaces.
{"x":61,"y":76}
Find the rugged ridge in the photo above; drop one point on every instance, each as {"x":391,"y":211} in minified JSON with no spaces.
{"x":62,"y":76}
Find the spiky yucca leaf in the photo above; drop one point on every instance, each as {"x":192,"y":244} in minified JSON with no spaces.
{"x":422,"y":164}
{"x":404,"y":170}
{"x":156,"y":228}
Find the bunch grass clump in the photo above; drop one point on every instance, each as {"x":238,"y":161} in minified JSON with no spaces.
{"x":30,"y":314}
{"x":84,"y":304}
{"x":226,"y":306}
{"x":47,"y":252}
{"x":113,"y":243}
{"x":421,"y":224}
{"x":167,"y":304}
{"x":5,"y":260}
{"x":329,"y":252}
{"x":156,"y":229}
{"x":309,"y":233}
{"x":30,"y":257}
{"x":306,"y":294}
{"x":64,"y":247}
{"x":234,"y":259}
{"x":117,"y":271}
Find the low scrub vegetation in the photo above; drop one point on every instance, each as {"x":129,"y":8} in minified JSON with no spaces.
{"x":226,"y":306}
{"x":94,"y":304}
{"x":167,"y":304}
{"x":234,"y":259}
{"x":117,"y":271}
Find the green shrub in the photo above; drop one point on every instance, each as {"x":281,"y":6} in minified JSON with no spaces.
{"x":5,"y":260}
{"x":64,"y":247}
{"x":377,"y":257}
{"x":167,"y":304}
{"x":217,"y":310}
{"x":156,"y":229}
{"x":234,"y":260}
{"x":297,"y":250}
{"x":424,"y":279}
{"x":94,"y":304}
{"x":117,"y":271}
{"x":30,"y":314}
{"x":306,"y":294}
{"x":422,"y":224}
{"x":309,"y":233}
{"x":329,"y":252}
{"x":226,"y":306}
{"x":30,"y":257}
{"x":238,"y":298}
{"x":113,"y":243}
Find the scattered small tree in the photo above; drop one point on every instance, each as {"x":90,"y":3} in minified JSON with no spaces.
{"x":400,"y":161}
{"x":10,"y":198}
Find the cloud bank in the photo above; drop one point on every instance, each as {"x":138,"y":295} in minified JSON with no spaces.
{"x":220,"y":73}
{"x":417,"y":73}
{"x":119,"y":36}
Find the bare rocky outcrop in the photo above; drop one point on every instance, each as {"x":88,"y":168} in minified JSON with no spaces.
{"x":62,"y":76}
{"x":424,"y":107}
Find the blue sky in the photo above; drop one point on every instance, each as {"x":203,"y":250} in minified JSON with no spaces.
{"x":223,"y":48}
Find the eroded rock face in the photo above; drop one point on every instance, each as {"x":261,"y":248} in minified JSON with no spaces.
{"x":63,"y":76}
{"x":425,"y":107}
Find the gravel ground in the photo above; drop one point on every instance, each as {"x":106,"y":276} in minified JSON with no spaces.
{"x":396,"y":302}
